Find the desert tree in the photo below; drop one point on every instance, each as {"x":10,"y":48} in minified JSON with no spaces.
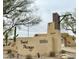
{"x":17,"y":13}
{"x":68,"y":21}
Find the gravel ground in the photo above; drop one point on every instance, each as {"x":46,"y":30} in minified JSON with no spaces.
{"x":23,"y":57}
{"x":5,"y":56}
{"x":68,"y":54}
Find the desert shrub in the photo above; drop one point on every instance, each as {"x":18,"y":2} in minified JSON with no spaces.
{"x":38,"y":54}
{"x":11,"y":55}
{"x":63,"y":51}
{"x":29,"y":57}
{"x":52,"y":54}
{"x":9,"y":51}
{"x":3,"y":44}
{"x":71,"y":58}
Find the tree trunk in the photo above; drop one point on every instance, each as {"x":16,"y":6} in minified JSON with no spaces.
{"x":14,"y":34}
{"x":6,"y":38}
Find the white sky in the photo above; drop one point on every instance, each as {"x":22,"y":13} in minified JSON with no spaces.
{"x":46,"y":8}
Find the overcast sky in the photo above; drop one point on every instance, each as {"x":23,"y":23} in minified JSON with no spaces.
{"x":46,"y":8}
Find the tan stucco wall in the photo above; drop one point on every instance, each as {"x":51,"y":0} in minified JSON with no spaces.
{"x":51,"y":27}
{"x":56,"y":36}
{"x":42,"y":48}
{"x":57,"y":41}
